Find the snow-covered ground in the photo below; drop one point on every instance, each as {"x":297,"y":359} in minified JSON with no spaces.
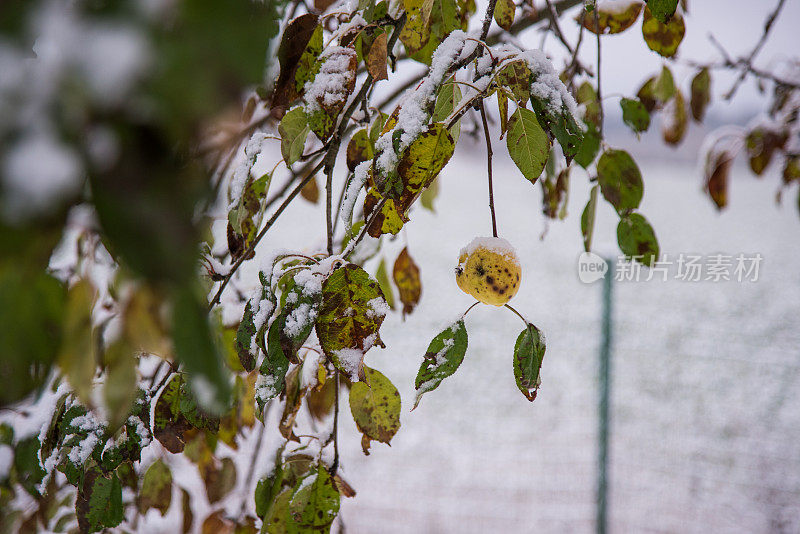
{"x":706,"y":376}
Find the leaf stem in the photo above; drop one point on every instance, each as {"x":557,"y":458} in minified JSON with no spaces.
{"x":489,"y":160}
{"x":470,"y":308}
{"x":335,"y":465}
{"x":518,"y":314}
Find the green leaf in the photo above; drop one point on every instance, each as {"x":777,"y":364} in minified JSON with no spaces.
{"x":527,"y":143}
{"x":359,"y":149}
{"x":428,"y":196}
{"x":620,"y":180}
{"x":444,"y":355}
{"x":589,"y":148}
{"x":315,"y":502}
{"x":664,"y":86}
{"x":646,"y":95}
{"x":446,"y":100}
{"x":99,"y":501}
{"x":352,"y":310}
{"x":198,"y":351}
{"x":247,"y":333}
{"x":663,"y":38}
{"x":587,"y":96}
{"x":761,"y":144}
{"x":635,"y":115}
{"x":375,"y":405}
{"x":383,"y":281}
{"x":26,"y":463}
{"x":77,"y":358}
{"x":587,"y":219}
{"x":662,"y":9}
{"x":32,"y":308}
{"x":119,"y":389}
{"x":294,"y":132}
{"x":156,"y":489}
{"x":561,"y":125}
{"x":278,"y":519}
{"x":528,"y":354}
{"x":701,"y":94}
{"x":637,"y":240}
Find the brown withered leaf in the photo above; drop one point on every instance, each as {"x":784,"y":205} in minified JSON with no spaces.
{"x":188,"y":516}
{"x":701,"y":94}
{"x":718,"y":169}
{"x":376,"y":59}
{"x":791,"y":170}
{"x":611,"y":19}
{"x":406,"y":277}
{"x":320,"y":401}
{"x":220,"y":479}
{"x":311,"y":191}
{"x":294,"y":399}
{"x":344,"y":489}
{"x":293,"y":43}
{"x":217,"y":523}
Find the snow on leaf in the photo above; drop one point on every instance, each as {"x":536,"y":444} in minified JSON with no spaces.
{"x":443,"y":357}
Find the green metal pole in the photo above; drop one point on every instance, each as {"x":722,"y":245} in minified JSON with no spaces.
{"x":605,"y":391}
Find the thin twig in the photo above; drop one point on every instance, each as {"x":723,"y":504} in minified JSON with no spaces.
{"x":518,"y":314}
{"x":489,"y":160}
{"x":335,"y":465}
{"x":599,"y":84}
{"x":487,"y":19}
{"x":262,"y":233}
{"x":557,"y":28}
{"x":747,"y":63}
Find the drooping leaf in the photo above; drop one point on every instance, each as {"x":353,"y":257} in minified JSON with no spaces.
{"x":612,"y":17}
{"x":220,"y":480}
{"x":717,"y":174}
{"x":587,"y":96}
{"x":673,"y":127}
{"x":555,"y":194}
{"x":428,"y":196}
{"x":310,"y":191}
{"x":701,"y":94}
{"x":446,"y":100}
{"x":78,"y":358}
{"x":301,"y":43}
{"x":99,"y":501}
{"x":528,"y":354}
{"x":383,"y":281}
{"x":375,"y":405}
{"x":198,"y":351}
{"x":761,"y":143}
{"x":169,"y":424}
{"x":32,"y":307}
{"x":314,"y":503}
{"x":620,"y":180}
{"x":660,"y":37}
{"x":419,"y":164}
{"x":527,"y":143}
{"x":156,"y":489}
{"x":294,"y":397}
{"x":406,"y":277}
{"x":442,"y":359}
{"x":350,"y":316}
{"x":635,"y":115}
{"x":294,"y":131}
{"x":504,"y":13}
{"x":589,"y":147}
{"x":119,"y":389}
{"x":359,"y":149}
{"x":662,"y":9}
{"x":587,"y":219}
{"x":663,"y":87}
{"x":636,"y":239}
{"x":791,"y":170}
{"x":376,"y":60}
{"x":646,"y":95}
{"x":561,"y":125}
{"x":502,"y":107}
